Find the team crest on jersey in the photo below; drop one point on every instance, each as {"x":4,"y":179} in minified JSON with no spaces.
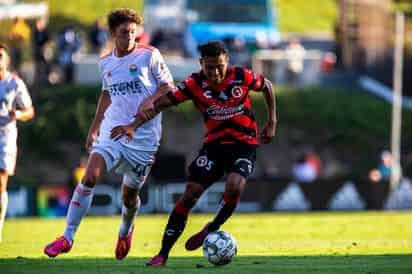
{"x":237,"y":92}
{"x":202,"y":161}
{"x":109,"y":74}
{"x":133,"y":69}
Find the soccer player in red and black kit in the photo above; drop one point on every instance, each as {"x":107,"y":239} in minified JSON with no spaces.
{"x":221,"y":93}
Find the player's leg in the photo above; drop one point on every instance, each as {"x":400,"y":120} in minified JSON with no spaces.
{"x":235,"y":184}
{"x":240,"y":166}
{"x":4,"y":198}
{"x":83,"y":194}
{"x":8,"y":156}
{"x":177,"y":222}
{"x":130,"y":207}
{"x":135,"y":166}
{"x":203,"y":171}
{"x":79,"y":205}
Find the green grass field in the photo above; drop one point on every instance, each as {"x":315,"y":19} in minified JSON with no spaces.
{"x":366,"y":243}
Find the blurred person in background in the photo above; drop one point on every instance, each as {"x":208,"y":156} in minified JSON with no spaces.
{"x":19,"y":37}
{"x":295,"y":55}
{"x":98,"y":36}
{"x":15,"y":105}
{"x":142,"y":36}
{"x":382,"y":173}
{"x":69,"y":44}
{"x":238,"y":51}
{"x":130,"y":73}
{"x":221,"y":93}
{"x":307,"y":168}
{"x":41,"y":40}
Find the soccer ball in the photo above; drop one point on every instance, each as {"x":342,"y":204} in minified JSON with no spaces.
{"x":219,"y":247}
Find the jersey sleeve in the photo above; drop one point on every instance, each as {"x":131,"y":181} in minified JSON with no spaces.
{"x":159,"y":68}
{"x":103,"y":76}
{"x":23,"y":99}
{"x":254,"y":81}
{"x":181,"y":93}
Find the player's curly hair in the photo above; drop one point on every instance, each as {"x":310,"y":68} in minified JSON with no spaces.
{"x":212,"y":49}
{"x":123,"y":15}
{"x":4,"y":46}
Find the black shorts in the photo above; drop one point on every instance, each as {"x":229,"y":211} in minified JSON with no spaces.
{"x":215,"y":160}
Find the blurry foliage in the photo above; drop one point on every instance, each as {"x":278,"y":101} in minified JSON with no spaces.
{"x":63,"y":113}
{"x":306,"y":16}
{"x":402,"y":5}
{"x":83,"y":13}
{"x":335,"y":117}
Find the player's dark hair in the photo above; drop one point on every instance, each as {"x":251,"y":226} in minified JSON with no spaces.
{"x":4,"y":46}
{"x":123,"y":15}
{"x":212,"y":49}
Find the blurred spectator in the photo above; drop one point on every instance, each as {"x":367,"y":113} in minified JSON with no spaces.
{"x":307,"y":168}
{"x":382,"y":173}
{"x":41,"y":39}
{"x":295,"y":54}
{"x":238,"y":51}
{"x":68,"y":45}
{"x":328,"y":62}
{"x":98,"y":36}
{"x":19,"y":37}
{"x":142,"y":36}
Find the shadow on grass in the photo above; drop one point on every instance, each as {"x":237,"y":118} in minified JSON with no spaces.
{"x":365,"y":264}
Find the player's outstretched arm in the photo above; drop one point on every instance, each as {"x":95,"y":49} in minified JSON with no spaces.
{"x":269,"y":130}
{"x":147,"y":108}
{"x":159,"y":105}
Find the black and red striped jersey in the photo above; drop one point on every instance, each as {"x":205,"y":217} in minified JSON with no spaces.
{"x":226,"y":108}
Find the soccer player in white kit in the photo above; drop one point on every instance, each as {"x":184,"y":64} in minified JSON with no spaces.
{"x":131,"y":73}
{"x":15,"y":104}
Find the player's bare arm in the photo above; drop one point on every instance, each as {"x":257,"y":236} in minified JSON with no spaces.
{"x":22,"y":114}
{"x":146,"y":109}
{"x":269,"y":130}
{"x":159,"y":105}
{"x":102,"y":105}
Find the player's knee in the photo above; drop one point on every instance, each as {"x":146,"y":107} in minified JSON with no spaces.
{"x":191,"y":194}
{"x":90,"y":179}
{"x":235,"y":184}
{"x":130,"y":201}
{"x":193,"y":191}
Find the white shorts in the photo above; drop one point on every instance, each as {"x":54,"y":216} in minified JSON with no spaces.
{"x":133,"y":164}
{"x":8,"y":151}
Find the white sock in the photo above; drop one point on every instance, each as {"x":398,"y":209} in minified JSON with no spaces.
{"x":128,"y":216}
{"x":4,"y":199}
{"x":79,"y":205}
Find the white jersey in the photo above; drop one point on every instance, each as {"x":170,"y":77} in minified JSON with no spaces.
{"x":13,"y":95}
{"x":130,"y":80}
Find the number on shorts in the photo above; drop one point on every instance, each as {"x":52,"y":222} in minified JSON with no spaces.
{"x":141,"y":170}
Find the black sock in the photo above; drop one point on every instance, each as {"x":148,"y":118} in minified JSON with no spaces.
{"x":174,"y":229}
{"x":224,"y":213}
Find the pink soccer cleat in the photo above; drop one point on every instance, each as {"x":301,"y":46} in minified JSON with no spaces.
{"x":196,"y":240}
{"x":59,"y":246}
{"x":123,"y":245}
{"x":157,"y":260}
